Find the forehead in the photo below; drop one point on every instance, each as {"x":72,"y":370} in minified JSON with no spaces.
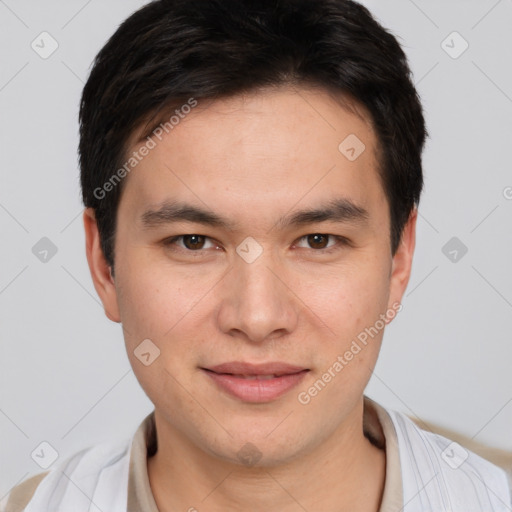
{"x":259,"y":151}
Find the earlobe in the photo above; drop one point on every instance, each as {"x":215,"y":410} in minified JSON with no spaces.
{"x":402,"y":260}
{"x":101,"y":272}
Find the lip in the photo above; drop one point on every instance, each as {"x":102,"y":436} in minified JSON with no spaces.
{"x":258,"y":388}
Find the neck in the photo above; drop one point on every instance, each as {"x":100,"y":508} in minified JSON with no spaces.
{"x":344,"y":472}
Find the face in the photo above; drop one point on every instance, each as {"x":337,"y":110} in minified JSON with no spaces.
{"x":279,"y":297}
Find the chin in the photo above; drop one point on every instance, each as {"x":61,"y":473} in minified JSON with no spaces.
{"x":258,"y":451}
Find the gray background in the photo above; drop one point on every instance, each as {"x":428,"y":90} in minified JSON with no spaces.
{"x":446,"y":359}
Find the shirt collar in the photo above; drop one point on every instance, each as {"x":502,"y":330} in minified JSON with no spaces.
{"x":378,"y":428}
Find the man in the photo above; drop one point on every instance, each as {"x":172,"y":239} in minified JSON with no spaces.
{"x":251,"y":174}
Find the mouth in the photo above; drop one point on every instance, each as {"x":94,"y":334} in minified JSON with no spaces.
{"x":255,"y":383}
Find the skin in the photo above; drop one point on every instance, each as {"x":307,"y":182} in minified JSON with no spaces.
{"x":253,"y":159}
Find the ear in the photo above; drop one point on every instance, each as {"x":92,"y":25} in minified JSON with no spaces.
{"x":402,"y":261}
{"x":100,"y":270}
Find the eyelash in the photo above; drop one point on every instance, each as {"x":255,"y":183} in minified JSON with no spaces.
{"x":342,"y":241}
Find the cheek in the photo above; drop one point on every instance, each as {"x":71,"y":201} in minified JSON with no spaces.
{"x":157,"y":316}
{"x":166,"y":309}
{"x":351,"y":298}
{"x":350,"y":305}
{"x":152,"y":301}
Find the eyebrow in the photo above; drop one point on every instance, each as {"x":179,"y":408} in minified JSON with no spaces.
{"x":337,"y":210}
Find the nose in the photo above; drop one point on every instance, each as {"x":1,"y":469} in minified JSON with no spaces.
{"x":258,"y":301}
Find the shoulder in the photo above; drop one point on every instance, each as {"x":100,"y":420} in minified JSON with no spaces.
{"x":443,"y":470}
{"x":99,"y":471}
{"x":20,"y":495}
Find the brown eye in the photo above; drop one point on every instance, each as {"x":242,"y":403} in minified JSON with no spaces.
{"x":193,"y":241}
{"x":323,"y":243}
{"x":318,"y":240}
{"x":190,"y":243}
